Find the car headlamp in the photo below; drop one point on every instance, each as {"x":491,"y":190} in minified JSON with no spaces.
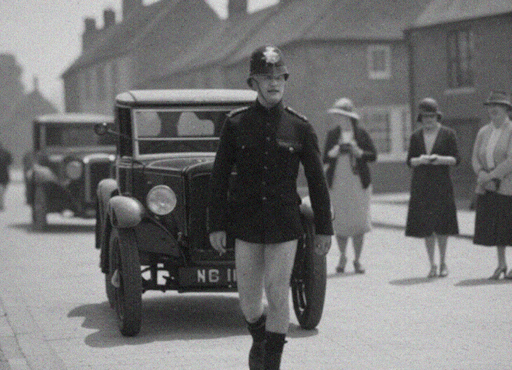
{"x":74,"y":170}
{"x":161,"y":200}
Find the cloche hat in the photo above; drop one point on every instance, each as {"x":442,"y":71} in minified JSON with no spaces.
{"x":429,"y":106}
{"x":345,"y":107}
{"x":499,"y":98}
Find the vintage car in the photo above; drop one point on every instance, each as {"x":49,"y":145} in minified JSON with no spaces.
{"x":151,"y":219}
{"x":66,"y":164}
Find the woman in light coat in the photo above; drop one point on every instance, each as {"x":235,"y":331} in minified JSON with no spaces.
{"x":492,"y":163}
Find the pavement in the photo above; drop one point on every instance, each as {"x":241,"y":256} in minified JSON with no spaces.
{"x":388,"y":211}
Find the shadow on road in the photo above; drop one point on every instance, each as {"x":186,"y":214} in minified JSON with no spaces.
{"x":169,"y":318}
{"x":55,"y":228}
{"x":336,"y":275}
{"x":412,"y":281}
{"x":166,"y":318}
{"x":482,"y":281}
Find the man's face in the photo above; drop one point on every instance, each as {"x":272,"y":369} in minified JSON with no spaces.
{"x":270,"y":87}
{"x":497,"y":112}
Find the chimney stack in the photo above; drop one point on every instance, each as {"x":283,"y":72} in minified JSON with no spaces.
{"x":109,"y":18}
{"x":90,"y":33}
{"x":237,"y":8}
{"x":130,"y":6}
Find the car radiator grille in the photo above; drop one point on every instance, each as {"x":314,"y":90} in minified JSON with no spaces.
{"x":198,"y":236}
{"x":96,"y":171}
{"x":199,"y":242}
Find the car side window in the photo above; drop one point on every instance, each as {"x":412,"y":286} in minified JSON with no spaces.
{"x":189,"y":124}
{"x":149,"y":123}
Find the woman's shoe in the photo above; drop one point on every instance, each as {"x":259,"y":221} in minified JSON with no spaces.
{"x":443,"y":270}
{"x":340,"y":269}
{"x":358,"y":268}
{"x":498,"y":272}
{"x":433,"y":272}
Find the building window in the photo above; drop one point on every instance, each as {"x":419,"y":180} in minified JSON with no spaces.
{"x":100,"y":82}
{"x":379,"y":125}
{"x":460,"y":58}
{"x":390,"y":128}
{"x":379,"y":62}
{"x":115,"y":78}
{"x":86,"y":78}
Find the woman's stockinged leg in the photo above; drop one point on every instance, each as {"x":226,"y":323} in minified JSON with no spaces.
{"x":442,"y":242}
{"x":279,"y":260}
{"x":249,"y":259}
{"x":502,"y":257}
{"x":430,"y":243}
{"x":358,"y":241}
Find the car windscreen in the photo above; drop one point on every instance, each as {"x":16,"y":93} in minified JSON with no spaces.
{"x":73,"y":136}
{"x":178,"y":131}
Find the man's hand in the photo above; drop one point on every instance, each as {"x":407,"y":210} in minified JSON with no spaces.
{"x":356,"y":150}
{"x":218,"y":241}
{"x":483,"y":177}
{"x":322,"y":244}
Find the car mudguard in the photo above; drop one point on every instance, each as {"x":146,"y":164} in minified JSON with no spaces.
{"x":43,"y":174}
{"x":106,"y":188}
{"x":125,"y":211}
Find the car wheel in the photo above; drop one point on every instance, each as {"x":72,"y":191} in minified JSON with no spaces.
{"x":124,"y":281}
{"x":309,"y":279}
{"x":39,"y":209}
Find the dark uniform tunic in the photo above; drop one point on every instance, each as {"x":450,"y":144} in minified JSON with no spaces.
{"x":265,"y":147}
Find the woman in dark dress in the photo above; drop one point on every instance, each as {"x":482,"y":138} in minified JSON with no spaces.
{"x":432,"y":214}
{"x":5,"y":162}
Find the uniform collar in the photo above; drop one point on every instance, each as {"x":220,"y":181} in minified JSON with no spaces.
{"x":273,"y":110}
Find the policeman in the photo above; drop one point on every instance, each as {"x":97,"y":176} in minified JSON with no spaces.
{"x":266,"y":142}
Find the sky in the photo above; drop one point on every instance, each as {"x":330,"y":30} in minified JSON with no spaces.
{"x":45,"y":36}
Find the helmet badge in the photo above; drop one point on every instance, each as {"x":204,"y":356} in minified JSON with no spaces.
{"x":270,"y":55}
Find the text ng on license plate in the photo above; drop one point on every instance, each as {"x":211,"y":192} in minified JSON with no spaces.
{"x":207,"y":276}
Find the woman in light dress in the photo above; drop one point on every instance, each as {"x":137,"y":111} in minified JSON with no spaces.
{"x":348,"y":149}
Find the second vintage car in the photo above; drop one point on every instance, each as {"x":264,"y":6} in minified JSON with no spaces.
{"x":151,"y":219}
{"x":66,"y":164}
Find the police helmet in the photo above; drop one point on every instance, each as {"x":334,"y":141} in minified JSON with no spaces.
{"x":267,"y":60}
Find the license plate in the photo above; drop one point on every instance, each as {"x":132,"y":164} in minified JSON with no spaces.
{"x":207,"y":276}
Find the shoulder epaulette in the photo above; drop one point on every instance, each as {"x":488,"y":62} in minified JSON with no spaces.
{"x":236,"y":111}
{"x":296,"y":113}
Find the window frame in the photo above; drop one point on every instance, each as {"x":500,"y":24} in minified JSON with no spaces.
{"x":373,"y":73}
{"x":460,"y":52}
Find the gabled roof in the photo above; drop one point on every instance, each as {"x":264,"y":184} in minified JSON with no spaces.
{"x":221,"y":41}
{"x":125,"y":36}
{"x":323,"y":20}
{"x":446,"y":11}
{"x":367,"y":19}
{"x":120,"y":38}
{"x":289,"y":22}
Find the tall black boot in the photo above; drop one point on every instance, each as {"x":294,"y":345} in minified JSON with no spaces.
{"x":274,"y":343}
{"x":257,"y":352}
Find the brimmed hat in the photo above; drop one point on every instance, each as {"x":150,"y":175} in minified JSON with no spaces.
{"x":345,"y":107}
{"x":267,"y":60}
{"x":429,"y":106}
{"x":499,"y":98}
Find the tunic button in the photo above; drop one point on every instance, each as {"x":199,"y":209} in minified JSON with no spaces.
{"x":268,"y":138}
{"x":263,"y":183}
{"x":264,"y":198}
{"x":265,"y":167}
